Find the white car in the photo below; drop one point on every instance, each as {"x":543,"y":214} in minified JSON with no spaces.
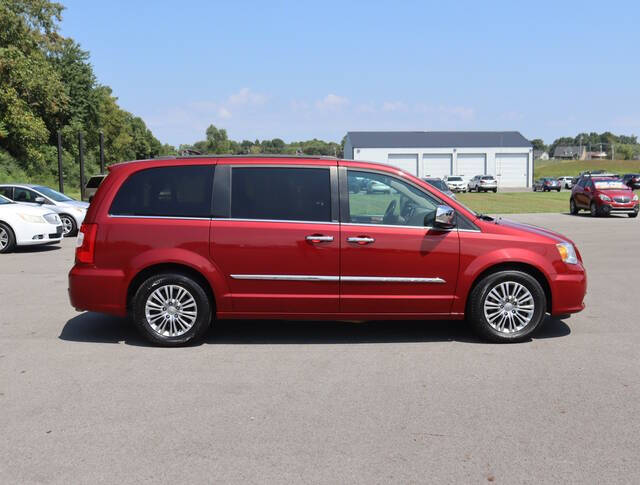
{"x":71,"y":211}
{"x":566,"y":182}
{"x":21,"y":225}
{"x":456,"y":183}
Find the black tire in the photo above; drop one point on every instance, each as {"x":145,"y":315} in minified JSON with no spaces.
{"x":633,"y":215}
{"x":70,"y":222}
{"x":476,"y":315}
{"x":573,"y":208}
{"x":557,"y":190}
{"x":203,"y":306}
{"x":593,"y":209}
{"x":8,"y":241}
{"x":495,"y":191}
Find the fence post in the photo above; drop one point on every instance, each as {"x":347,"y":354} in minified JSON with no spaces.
{"x":81,"y":152}
{"x":60,"y":174}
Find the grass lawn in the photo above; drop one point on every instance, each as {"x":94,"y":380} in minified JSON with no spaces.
{"x":516,"y":202}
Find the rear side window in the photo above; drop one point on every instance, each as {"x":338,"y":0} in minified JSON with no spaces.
{"x":279,"y":193}
{"x":7,"y":192}
{"x":166,"y":191}
{"x":94,"y":182}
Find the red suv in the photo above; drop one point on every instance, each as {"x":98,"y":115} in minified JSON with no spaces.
{"x":603,"y":195}
{"x":177,"y":243}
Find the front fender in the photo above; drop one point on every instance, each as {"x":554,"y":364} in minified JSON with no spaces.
{"x":471,"y":267}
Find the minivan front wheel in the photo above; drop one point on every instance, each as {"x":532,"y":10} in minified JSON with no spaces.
{"x":507,"y":306}
{"x":171,"y":309}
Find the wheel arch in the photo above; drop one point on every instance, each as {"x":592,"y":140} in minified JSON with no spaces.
{"x":161,"y":268}
{"x":514,"y":266}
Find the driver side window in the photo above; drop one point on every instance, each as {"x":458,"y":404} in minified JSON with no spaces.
{"x":375,"y":198}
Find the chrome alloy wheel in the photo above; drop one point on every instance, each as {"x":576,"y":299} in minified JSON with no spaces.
{"x":171,"y":311}
{"x":4,"y":238}
{"x":67,"y":224}
{"x":509,"y":307}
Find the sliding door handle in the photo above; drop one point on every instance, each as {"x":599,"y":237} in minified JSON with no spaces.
{"x":361,"y":240}
{"x":318,"y":238}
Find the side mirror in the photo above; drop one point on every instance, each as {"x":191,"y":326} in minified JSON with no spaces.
{"x":445,"y":217}
{"x":39,"y":200}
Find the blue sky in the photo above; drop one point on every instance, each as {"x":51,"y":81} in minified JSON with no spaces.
{"x":298,"y":70}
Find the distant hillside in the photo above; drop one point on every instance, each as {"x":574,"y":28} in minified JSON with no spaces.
{"x":559,"y":168}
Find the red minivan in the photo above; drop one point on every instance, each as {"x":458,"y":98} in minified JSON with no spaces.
{"x":178,"y":243}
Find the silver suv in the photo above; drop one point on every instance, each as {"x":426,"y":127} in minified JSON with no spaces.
{"x":483,"y":183}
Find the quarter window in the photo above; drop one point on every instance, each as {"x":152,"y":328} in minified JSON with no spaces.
{"x":166,"y":191}
{"x":380,"y":199}
{"x":279,"y":193}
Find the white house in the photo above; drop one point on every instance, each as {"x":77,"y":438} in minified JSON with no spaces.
{"x":505,"y":154}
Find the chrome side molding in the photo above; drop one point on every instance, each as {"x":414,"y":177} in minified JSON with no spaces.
{"x":346,"y":279}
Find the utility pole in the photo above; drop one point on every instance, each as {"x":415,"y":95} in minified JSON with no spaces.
{"x":60,"y":174}
{"x":81,"y":153}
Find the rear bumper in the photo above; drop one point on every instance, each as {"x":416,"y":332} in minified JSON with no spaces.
{"x":98,"y":290}
{"x":568,"y":292}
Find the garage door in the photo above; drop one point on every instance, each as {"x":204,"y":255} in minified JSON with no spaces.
{"x":470,"y":164}
{"x":511,"y":169}
{"x":406,"y":162}
{"x":436,"y":165}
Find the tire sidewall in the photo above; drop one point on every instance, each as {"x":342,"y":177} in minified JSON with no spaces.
{"x":74,"y":225}
{"x":203,"y":320}
{"x":480,"y":292}
{"x":11,"y":245}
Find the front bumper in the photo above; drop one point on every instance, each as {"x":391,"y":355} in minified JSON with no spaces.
{"x":32,"y":234}
{"x":619,"y":208}
{"x":568,"y":291}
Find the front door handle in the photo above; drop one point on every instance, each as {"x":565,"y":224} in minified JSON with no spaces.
{"x":361,"y":240}
{"x":318,"y":238}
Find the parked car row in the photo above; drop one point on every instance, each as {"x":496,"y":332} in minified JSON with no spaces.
{"x":21,"y":225}
{"x":479,"y":183}
{"x":70,"y":211}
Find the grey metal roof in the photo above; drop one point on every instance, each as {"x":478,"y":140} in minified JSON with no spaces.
{"x":437,"y":139}
{"x":568,"y":151}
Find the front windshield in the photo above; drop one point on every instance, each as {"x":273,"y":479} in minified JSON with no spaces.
{"x":610,"y":184}
{"x":455,"y":179}
{"x":53,"y":194}
{"x":4,"y":200}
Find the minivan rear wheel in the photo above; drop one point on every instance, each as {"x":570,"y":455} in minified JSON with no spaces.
{"x":507,"y":306}
{"x":171,"y":309}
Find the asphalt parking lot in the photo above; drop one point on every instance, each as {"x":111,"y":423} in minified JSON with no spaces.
{"x":83,"y":399}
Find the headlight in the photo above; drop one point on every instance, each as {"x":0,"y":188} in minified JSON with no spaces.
{"x":635,"y":197}
{"x":31,"y":218}
{"x":604,"y":198}
{"x":567,"y":252}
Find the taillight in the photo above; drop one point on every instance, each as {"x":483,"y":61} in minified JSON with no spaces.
{"x":86,"y":243}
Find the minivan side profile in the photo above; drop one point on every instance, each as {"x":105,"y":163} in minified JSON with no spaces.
{"x":178,"y":243}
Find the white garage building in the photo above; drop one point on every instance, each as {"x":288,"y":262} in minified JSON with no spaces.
{"x":505,"y":154}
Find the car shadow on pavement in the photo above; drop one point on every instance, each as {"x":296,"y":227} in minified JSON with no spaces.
{"x":98,"y":328}
{"x":43,"y":248}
